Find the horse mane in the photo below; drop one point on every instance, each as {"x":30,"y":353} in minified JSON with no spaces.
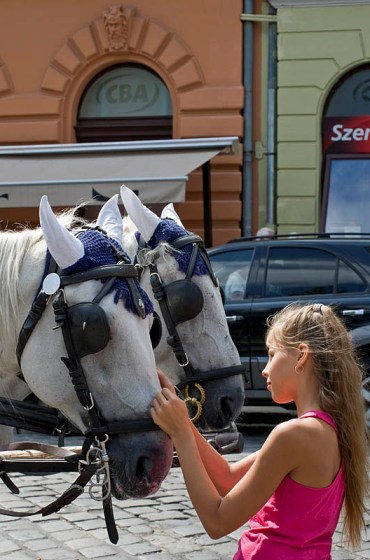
{"x":15,"y":246}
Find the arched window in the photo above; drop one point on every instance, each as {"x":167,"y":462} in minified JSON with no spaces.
{"x":346,"y":152}
{"x":127,"y":102}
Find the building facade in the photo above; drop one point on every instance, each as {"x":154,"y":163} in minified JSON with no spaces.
{"x":323,"y":115}
{"x":97,"y":71}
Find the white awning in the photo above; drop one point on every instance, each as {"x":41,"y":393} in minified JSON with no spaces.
{"x":70,"y":173}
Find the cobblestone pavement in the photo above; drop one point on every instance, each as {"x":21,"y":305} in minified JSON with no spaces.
{"x":161,"y":527}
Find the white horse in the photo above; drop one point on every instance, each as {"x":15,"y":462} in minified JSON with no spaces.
{"x":177,"y":275}
{"x":107,"y":379}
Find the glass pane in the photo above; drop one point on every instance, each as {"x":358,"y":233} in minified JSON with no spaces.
{"x":232,"y":270}
{"x":348,"y":280}
{"x":348,"y":207}
{"x":351,"y":96}
{"x":126,"y":91}
{"x":301,"y":271}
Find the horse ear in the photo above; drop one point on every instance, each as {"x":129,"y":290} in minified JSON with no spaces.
{"x":144,"y":219}
{"x":65,"y":248}
{"x":170,"y":212}
{"x":110,"y":219}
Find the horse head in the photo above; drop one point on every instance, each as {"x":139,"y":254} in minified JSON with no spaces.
{"x":194,"y":344}
{"x":90,"y":354}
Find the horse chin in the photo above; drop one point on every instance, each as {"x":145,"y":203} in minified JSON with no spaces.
{"x":139,"y":463}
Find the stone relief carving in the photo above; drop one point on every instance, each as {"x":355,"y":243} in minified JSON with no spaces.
{"x":116,"y":22}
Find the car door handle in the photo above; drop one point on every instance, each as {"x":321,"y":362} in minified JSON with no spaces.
{"x":353,"y":312}
{"x":234,"y":318}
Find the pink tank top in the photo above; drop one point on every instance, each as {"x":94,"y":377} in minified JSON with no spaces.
{"x":297,"y":522}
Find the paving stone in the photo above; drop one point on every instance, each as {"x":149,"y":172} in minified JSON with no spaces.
{"x":29,"y":535}
{"x":142,"y":529}
{"x":38,"y":544}
{"x":72,"y":534}
{"x":7,"y":546}
{"x":202,"y":555}
{"x":21,"y":555}
{"x":100,"y":551}
{"x":140,"y":548}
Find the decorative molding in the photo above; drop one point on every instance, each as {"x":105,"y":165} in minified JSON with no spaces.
{"x":117,"y":25}
{"x":123,"y":33}
{"x":314,"y":3}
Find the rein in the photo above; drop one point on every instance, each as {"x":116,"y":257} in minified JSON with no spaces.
{"x":168,"y":297}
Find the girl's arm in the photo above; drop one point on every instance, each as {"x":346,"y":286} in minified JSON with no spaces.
{"x":222,"y":515}
{"x":223,"y":474}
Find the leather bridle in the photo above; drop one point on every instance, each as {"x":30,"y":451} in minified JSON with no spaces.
{"x":168,"y":297}
{"x":100,"y":429}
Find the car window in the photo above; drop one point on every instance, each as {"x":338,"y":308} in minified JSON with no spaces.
{"x":232,"y":270}
{"x":348,"y":280}
{"x":306,"y":271}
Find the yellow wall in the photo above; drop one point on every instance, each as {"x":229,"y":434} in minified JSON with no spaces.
{"x":316,"y":47}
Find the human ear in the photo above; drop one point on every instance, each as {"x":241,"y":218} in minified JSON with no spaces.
{"x":303,"y":354}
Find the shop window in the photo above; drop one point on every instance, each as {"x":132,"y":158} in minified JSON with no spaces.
{"x":346,"y":151}
{"x":125,"y":103}
{"x":347,"y":194}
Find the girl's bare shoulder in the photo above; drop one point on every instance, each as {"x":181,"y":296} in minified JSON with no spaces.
{"x":294,"y":432}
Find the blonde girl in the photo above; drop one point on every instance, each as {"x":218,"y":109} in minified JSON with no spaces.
{"x":309,"y":469}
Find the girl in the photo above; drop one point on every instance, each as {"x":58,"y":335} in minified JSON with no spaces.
{"x":292,"y":490}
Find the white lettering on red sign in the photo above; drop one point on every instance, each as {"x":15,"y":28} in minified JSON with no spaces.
{"x":347,"y":134}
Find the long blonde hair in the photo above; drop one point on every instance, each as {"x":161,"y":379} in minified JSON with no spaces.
{"x":340,"y":376}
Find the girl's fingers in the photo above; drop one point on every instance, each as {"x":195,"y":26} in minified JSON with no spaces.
{"x":165,"y":382}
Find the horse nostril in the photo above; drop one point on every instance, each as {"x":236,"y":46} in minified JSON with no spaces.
{"x":143,"y":468}
{"x":226,"y":407}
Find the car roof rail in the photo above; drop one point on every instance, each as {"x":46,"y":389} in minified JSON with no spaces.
{"x":298,"y":235}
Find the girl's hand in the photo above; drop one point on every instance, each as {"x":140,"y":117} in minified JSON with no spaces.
{"x":165,"y":382}
{"x":168,"y":411}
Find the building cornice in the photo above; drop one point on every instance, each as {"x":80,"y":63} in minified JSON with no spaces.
{"x":310,"y":3}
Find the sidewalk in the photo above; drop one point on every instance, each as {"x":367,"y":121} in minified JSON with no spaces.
{"x":161,"y":527}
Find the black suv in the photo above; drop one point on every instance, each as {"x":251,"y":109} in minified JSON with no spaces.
{"x":259,"y":277}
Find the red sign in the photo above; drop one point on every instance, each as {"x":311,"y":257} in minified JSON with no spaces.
{"x":348,"y":135}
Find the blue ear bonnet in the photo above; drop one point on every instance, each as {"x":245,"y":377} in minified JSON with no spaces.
{"x":167,"y":231}
{"x":98,"y":252}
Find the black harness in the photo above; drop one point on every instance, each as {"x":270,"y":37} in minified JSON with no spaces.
{"x":180,"y":301}
{"x":85,"y":331}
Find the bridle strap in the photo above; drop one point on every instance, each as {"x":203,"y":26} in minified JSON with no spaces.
{"x":37,"y":308}
{"x":213,"y":374}
{"x":119,"y":270}
{"x":123,"y":427}
{"x":173,"y":339}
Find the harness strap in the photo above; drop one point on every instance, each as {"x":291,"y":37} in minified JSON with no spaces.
{"x":75,"y":490}
{"x":123,"y":427}
{"x":109,"y":519}
{"x":37,"y":309}
{"x":217,"y":373}
{"x":30,"y":416}
{"x":173,"y":340}
{"x":118,"y":270}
